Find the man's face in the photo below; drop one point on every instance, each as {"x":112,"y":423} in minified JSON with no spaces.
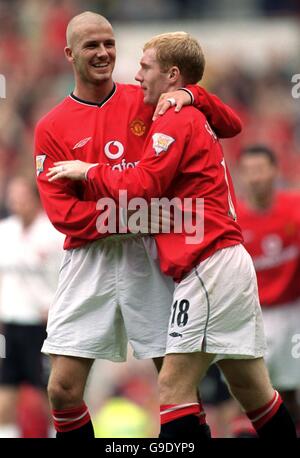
{"x":153,"y":81}
{"x":93,"y":53}
{"x":21,"y":200}
{"x":258,"y":175}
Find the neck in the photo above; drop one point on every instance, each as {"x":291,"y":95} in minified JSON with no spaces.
{"x":170,"y":88}
{"x":174,"y":87}
{"x":93,"y":93}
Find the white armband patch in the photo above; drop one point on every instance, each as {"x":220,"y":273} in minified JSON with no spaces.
{"x":161,"y":142}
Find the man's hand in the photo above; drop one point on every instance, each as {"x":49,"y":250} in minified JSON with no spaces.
{"x":74,"y":170}
{"x":153,"y":219}
{"x":176,"y":99}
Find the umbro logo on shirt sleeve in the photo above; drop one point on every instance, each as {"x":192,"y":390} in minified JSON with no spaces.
{"x":161,"y":142}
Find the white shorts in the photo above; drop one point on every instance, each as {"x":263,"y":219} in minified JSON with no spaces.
{"x":216,"y":308}
{"x":281,"y":324}
{"x":110,"y":292}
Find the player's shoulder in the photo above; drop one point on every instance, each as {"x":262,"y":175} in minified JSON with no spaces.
{"x":288,"y":198}
{"x":129,"y":95}
{"x":55,"y":115}
{"x":42,"y":220}
{"x":189,"y":115}
{"x":128,"y":89}
{"x":44,"y":228}
{"x":9,"y":224}
{"x":187,"y":118}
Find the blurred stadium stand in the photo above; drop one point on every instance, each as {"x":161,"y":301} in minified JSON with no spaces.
{"x":250,"y":62}
{"x":251,"y":48}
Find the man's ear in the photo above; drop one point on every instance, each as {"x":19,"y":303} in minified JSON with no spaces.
{"x":174,"y":74}
{"x":69,"y":54}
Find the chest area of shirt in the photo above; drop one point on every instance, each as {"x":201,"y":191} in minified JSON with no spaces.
{"x":25,"y":247}
{"x":115,"y":136}
{"x":271,"y":235}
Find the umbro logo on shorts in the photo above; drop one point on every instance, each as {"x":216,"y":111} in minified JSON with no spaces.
{"x":175,"y":334}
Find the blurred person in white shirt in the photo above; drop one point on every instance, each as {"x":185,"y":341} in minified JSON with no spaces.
{"x":29,"y":263}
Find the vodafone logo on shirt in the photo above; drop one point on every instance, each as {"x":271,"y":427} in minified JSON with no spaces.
{"x":114,"y":149}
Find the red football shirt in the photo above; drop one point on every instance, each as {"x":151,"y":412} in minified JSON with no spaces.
{"x":183,"y":158}
{"x":112,"y":132}
{"x":272,"y":238}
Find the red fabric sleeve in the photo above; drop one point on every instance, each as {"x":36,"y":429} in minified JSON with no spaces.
{"x":73,"y":217}
{"x":224,"y":121}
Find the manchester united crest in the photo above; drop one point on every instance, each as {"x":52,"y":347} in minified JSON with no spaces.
{"x":138,"y":127}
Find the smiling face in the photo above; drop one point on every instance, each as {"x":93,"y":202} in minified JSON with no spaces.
{"x":152,"y":79}
{"x":91,"y":50}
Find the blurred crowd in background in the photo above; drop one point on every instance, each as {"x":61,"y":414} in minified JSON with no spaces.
{"x":32,"y":38}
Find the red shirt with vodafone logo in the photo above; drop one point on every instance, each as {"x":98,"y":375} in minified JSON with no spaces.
{"x":112,"y":132}
{"x":182,"y":159}
{"x":272,"y":237}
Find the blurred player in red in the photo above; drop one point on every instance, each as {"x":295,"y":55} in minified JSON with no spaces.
{"x":270,"y":221}
{"x":110,"y":291}
{"x":215,"y":314}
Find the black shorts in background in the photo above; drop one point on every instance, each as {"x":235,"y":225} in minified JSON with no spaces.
{"x":24,"y":362}
{"x":213,"y":388}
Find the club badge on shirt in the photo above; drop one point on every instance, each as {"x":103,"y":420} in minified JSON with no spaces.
{"x":161,"y":142}
{"x":138,"y":127}
{"x":39,"y":163}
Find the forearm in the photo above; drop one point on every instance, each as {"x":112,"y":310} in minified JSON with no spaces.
{"x":138,"y":182}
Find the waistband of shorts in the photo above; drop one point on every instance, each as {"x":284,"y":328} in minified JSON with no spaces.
{"x":119,"y":238}
{"x":207,"y":256}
